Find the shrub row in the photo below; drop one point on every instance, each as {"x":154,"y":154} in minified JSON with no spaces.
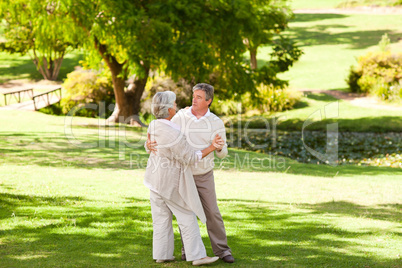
{"x":265,"y":100}
{"x":85,"y":87}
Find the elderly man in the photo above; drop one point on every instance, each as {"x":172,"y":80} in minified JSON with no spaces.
{"x":200,"y":126}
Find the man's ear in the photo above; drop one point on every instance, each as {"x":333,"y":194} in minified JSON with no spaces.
{"x":210,"y":100}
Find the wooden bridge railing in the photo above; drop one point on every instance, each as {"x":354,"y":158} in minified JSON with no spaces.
{"x":45,"y":96}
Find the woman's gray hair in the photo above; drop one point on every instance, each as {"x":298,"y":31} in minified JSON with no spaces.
{"x":161,"y":103}
{"x":208,"y":89}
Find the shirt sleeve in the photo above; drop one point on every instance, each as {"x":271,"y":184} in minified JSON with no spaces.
{"x":222,"y":133}
{"x":223,"y":152}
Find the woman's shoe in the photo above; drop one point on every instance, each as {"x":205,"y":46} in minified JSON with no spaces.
{"x":162,"y":261}
{"x":206,"y":260}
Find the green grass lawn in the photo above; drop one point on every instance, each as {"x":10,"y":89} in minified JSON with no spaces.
{"x":331,"y":44}
{"x":74,"y":197}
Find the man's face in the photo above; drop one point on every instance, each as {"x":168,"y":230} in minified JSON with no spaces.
{"x":199,"y":102}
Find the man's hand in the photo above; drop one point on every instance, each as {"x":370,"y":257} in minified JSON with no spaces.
{"x":218,"y":143}
{"x":151,"y":145}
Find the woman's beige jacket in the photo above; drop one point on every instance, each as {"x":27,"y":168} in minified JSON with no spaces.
{"x":168,"y":172}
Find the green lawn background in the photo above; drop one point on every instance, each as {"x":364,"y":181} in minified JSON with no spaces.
{"x":68,"y":206}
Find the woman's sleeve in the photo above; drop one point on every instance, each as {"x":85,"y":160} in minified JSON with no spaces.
{"x":184,"y":152}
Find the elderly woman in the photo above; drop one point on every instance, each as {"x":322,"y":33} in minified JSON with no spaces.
{"x":171,"y":184}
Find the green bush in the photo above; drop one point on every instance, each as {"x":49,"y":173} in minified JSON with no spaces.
{"x":88,"y":87}
{"x":269,"y":98}
{"x":265,"y":99}
{"x":226,"y":107}
{"x":376,"y":73}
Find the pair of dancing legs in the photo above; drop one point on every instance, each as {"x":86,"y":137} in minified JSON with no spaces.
{"x":163,"y":237}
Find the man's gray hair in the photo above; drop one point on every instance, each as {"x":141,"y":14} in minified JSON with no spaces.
{"x":208,"y":89}
{"x":161,"y":103}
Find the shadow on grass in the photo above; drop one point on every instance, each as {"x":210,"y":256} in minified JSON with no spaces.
{"x":300,"y":17}
{"x":301,"y":104}
{"x":319,"y":35}
{"x":82,"y":151}
{"x":72,"y":231}
{"x":19,"y":68}
{"x":386,"y":212}
{"x":321,"y":97}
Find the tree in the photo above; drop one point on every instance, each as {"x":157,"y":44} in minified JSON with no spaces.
{"x":262,"y":20}
{"x":36,"y":28}
{"x":192,"y":39}
{"x":135,"y":37}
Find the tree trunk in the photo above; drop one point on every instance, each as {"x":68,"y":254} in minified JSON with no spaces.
{"x":127,"y":103}
{"x":253,"y":58}
{"x":253,"y":53}
{"x":121,"y":111}
{"x":139,"y":87}
{"x":48,"y":68}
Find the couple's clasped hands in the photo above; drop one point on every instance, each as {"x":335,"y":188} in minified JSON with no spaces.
{"x":217,"y":142}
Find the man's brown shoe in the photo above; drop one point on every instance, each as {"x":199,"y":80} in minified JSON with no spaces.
{"x":228,"y":259}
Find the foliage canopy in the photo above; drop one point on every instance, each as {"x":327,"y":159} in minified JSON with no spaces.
{"x":196,"y":40}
